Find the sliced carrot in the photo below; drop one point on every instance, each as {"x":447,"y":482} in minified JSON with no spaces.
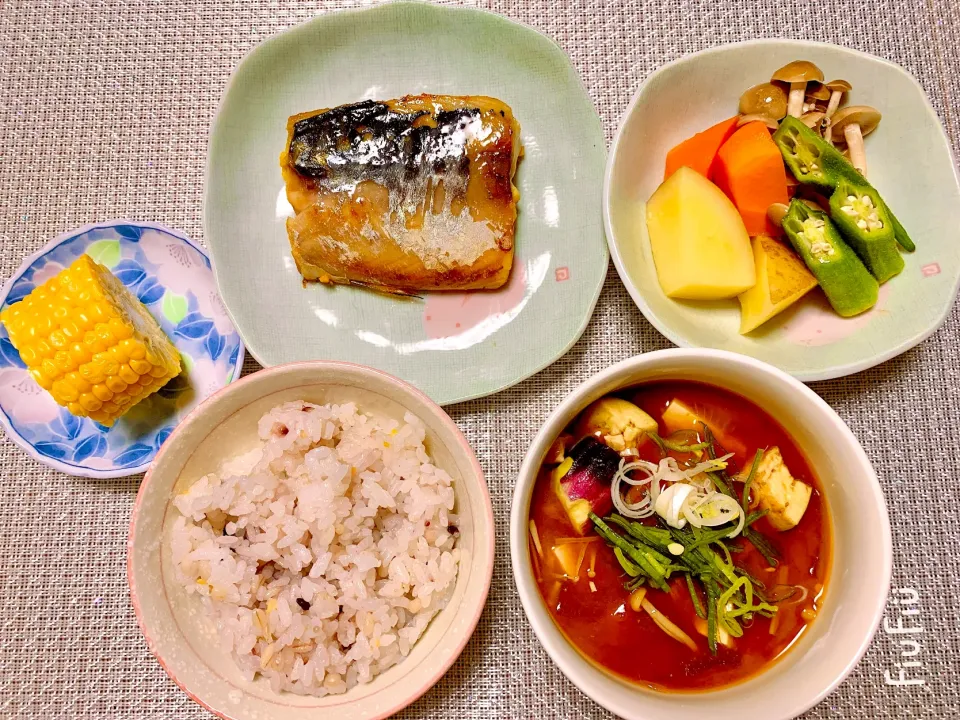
{"x":700,"y":151}
{"x":750,"y":170}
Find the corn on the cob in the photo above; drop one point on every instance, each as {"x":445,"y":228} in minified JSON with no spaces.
{"x":90,"y":342}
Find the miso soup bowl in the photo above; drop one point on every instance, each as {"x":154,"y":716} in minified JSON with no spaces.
{"x":859,"y":578}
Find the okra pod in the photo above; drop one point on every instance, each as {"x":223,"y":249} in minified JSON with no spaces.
{"x":866,"y":226}
{"x":846,"y":282}
{"x":814,"y":161}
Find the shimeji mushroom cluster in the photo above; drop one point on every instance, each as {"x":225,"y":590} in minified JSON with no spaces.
{"x":798,"y":89}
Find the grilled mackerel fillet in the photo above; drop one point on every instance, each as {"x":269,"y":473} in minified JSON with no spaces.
{"x":404,"y":195}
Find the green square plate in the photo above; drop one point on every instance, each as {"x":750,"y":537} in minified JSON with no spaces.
{"x":454,"y":346}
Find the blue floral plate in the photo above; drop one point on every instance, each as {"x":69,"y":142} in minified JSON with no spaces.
{"x":172,"y":276}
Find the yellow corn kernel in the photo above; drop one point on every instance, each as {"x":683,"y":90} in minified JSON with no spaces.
{"x":49,"y":369}
{"x":42,"y":329}
{"x":116,"y":356}
{"x":132,"y":349}
{"x":63,"y":361}
{"x":102,"y":393}
{"x":71,"y":329}
{"x":77,"y":382}
{"x":40,"y":379}
{"x":99,"y":314}
{"x":104,"y":335}
{"x":92,"y":372}
{"x":107,"y":364}
{"x":42,"y":348}
{"x":127,"y":374}
{"x":116,"y":384}
{"x":89,"y":342}
{"x":77,"y":353}
{"x":64,"y":390}
{"x":90,"y":403}
{"x":140,"y":367}
{"x":93,"y":343}
{"x":121,"y":329}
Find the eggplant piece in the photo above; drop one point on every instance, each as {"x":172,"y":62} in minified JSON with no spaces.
{"x":582,"y":481}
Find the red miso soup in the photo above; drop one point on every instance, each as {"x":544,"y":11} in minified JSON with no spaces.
{"x":679,"y":537}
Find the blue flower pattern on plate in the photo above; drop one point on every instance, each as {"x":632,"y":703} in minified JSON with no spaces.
{"x":173,"y":278}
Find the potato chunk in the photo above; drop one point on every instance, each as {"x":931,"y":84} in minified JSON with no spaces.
{"x":700,"y":247}
{"x":783,"y":496}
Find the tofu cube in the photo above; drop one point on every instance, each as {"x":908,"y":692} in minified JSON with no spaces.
{"x":783,"y":496}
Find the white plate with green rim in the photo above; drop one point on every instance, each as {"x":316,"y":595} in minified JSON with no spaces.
{"x":454,"y":346}
{"x":909,"y":162}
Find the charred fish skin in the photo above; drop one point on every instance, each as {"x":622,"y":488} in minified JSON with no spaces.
{"x":368,"y":141}
{"x":404,"y":195}
{"x":403,"y":152}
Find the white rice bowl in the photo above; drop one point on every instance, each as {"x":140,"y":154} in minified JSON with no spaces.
{"x":322,"y":556}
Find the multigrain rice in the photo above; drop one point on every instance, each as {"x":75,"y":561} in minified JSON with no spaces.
{"x":322,"y":556}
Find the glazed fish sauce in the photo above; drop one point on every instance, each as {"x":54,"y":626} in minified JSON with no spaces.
{"x":594,"y":612}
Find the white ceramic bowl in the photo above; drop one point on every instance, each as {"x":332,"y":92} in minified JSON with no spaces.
{"x":181,"y":637}
{"x":910,"y":163}
{"x":859,"y":577}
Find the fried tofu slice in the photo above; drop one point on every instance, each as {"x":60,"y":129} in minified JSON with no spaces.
{"x":779,"y":493}
{"x":620,"y":423}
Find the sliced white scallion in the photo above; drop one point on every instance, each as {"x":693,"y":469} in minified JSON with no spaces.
{"x":714,"y":509}
{"x":671,"y":503}
{"x":689,"y":495}
{"x":642,"y":508}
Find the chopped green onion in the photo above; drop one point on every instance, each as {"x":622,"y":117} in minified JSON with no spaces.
{"x":697,"y":605}
{"x":719,"y":483}
{"x":628,"y":567}
{"x":763,"y":546}
{"x":711,"y":615}
{"x":649,"y":555}
{"x":666,"y":444}
{"x":746,"y":484}
{"x":649,"y":535}
{"x":656,"y":575}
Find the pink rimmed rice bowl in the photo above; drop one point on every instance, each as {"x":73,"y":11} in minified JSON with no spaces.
{"x":315,"y":538}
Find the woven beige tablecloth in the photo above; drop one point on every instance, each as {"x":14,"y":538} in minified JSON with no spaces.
{"x":104,"y":111}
